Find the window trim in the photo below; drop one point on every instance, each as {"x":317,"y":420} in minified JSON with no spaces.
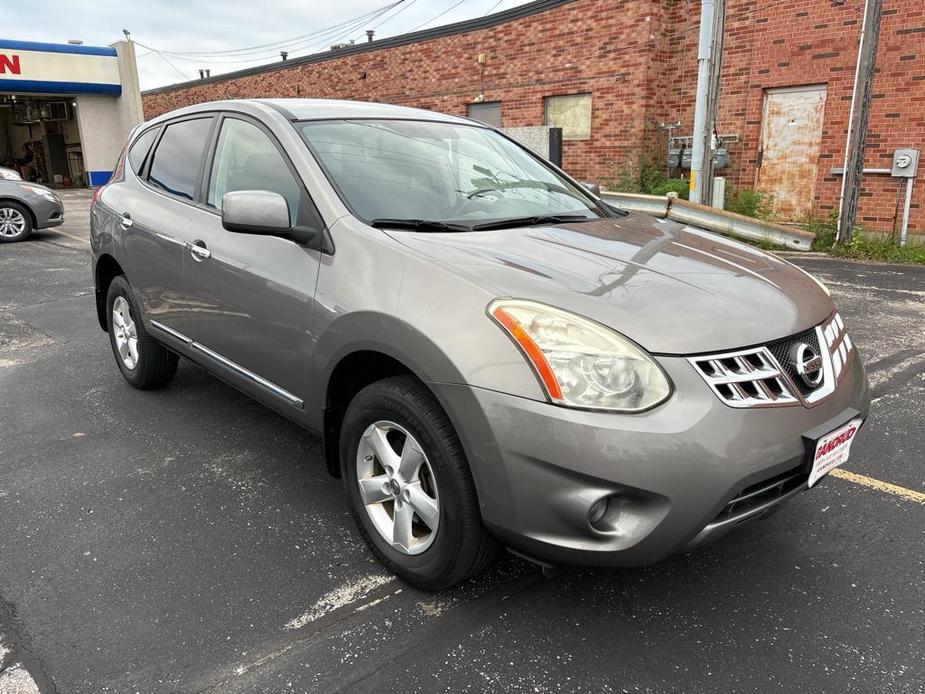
{"x":144,"y":161}
{"x":590,"y":115}
{"x":206,"y":174}
{"x":146,"y":171}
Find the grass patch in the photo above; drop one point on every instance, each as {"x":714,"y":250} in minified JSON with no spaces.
{"x":864,"y":246}
{"x":751,"y":203}
{"x":637,"y":174}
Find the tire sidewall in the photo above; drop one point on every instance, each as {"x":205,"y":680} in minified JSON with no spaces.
{"x":120,"y":287}
{"x":378,"y":403}
{"x":28,"y":217}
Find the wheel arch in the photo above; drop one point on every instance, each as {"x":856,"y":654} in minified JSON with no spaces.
{"x":106,"y":269}
{"x":369,"y":356}
{"x":26,"y":206}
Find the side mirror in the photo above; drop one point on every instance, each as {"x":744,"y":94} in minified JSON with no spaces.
{"x":591,"y":187}
{"x":256,"y":212}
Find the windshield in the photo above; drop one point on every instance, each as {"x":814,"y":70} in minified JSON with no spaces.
{"x":391,"y":170}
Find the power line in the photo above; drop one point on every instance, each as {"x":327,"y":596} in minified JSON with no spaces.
{"x":162,"y":57}
{"x":492,"y":8}
{"x":389,"y":19}
{"x":432,"y":19}
{"x":325,"y":35}
{"x":261,"y":48}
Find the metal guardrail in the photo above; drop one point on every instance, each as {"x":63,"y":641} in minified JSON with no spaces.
{"x":712,"y":219}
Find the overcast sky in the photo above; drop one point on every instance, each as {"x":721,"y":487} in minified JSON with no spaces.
{"x":175,"y":27}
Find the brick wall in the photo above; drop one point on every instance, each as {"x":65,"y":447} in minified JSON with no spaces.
{"x":638,"y":59}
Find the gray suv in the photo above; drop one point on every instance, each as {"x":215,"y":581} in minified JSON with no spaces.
{"x":491,"y":353}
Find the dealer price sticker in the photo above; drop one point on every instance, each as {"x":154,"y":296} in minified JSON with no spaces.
{"x":832,"y":450}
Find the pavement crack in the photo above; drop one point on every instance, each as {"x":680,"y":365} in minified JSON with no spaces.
{"x":21,"y":651}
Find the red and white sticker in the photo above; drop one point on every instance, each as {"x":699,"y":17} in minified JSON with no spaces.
{"x":832,"y":450}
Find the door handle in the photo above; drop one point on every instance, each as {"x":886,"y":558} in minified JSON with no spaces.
{"x":125,"y":220}
{"x":199,"y":251}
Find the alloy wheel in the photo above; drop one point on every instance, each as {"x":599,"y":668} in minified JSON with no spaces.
{"x":12,"y":222}
{"x":397,"y":487}
{"x":125,"y":332}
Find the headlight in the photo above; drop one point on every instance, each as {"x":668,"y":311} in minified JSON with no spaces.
{"x":43,"y":192}
{"x":579,"y":362}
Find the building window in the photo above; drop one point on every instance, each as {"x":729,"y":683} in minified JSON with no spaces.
{"x":488,"y":112}
{"x":570,"y":112}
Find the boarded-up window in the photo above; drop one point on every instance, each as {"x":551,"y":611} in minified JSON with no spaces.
{"x":488,"y":113}
{"x":572,"y":113}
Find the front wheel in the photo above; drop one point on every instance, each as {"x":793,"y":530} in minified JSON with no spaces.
{"x":15,"y":222}
{"x":409,"y":486}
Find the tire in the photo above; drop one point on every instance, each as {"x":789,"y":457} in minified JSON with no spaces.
{"x":460,"y":547}
{"x":150,"y":365}
{"x":15,"y":222}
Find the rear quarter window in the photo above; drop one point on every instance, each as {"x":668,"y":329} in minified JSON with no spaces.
{"x":140,"y":148}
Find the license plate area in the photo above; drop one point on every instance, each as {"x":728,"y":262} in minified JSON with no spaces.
{"x":832,"y":450}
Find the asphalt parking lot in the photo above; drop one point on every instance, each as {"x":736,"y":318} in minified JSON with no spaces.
{"x":191,"y":540}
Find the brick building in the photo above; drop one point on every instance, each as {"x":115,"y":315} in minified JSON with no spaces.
{"x":610,"y":71}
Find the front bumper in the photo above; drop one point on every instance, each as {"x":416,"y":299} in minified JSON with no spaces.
{"x":47,"y":213}
{"x":670,"y":473}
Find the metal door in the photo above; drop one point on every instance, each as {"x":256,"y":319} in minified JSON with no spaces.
{"x":791,"y":133}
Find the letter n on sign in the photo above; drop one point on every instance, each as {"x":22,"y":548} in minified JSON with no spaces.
{"x":9,"y":63}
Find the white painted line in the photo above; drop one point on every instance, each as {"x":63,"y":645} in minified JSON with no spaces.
{"x":866,"y":287}
{"x":70,"y":236}
{"x":342,"y":596}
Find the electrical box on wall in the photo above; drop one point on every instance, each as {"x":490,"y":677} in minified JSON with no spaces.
{"x":905,"y":163}
{"x":721,"y":158}
{"x":674,"y":157}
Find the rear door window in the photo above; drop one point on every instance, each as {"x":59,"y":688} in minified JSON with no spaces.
{"x":177,"y":160}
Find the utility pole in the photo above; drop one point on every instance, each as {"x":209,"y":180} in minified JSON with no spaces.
{"x":857,"y":120}
{"x":709,"y":64}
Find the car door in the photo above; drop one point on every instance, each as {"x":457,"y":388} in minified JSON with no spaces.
{"x":249,"y":296}
{"x":154,"y":214}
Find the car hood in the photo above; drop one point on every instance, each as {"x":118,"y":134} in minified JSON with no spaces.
{"x":671,"y":288}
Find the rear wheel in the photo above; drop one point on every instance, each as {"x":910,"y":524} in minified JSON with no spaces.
{"x":15,"y":222}
{"x":409,"y":486}
{"x":144,"y":362}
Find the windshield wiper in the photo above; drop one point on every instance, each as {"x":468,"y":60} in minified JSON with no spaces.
{"x":532,"y":221}
{"x":418,"y":225}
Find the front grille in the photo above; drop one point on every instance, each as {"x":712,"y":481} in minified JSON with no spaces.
{"x":746,"y":378}
{"x":781,"y":351}
{"x":759,"y":495}
{"x":764,"y":376}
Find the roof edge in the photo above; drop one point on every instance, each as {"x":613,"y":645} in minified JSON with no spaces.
{"x":463,"y":27}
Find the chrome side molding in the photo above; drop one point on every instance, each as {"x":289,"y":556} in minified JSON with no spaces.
{"x":234,"y":367}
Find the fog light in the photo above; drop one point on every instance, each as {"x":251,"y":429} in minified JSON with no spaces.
{"x":597,"y":511}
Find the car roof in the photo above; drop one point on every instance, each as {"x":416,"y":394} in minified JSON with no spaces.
{"x":318,"y":109}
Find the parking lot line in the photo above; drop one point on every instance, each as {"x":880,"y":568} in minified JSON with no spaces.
{"x":71,"y":236}
{"x":909,"y":494}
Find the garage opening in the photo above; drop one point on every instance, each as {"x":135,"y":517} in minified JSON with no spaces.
{"x":40,"y":139}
